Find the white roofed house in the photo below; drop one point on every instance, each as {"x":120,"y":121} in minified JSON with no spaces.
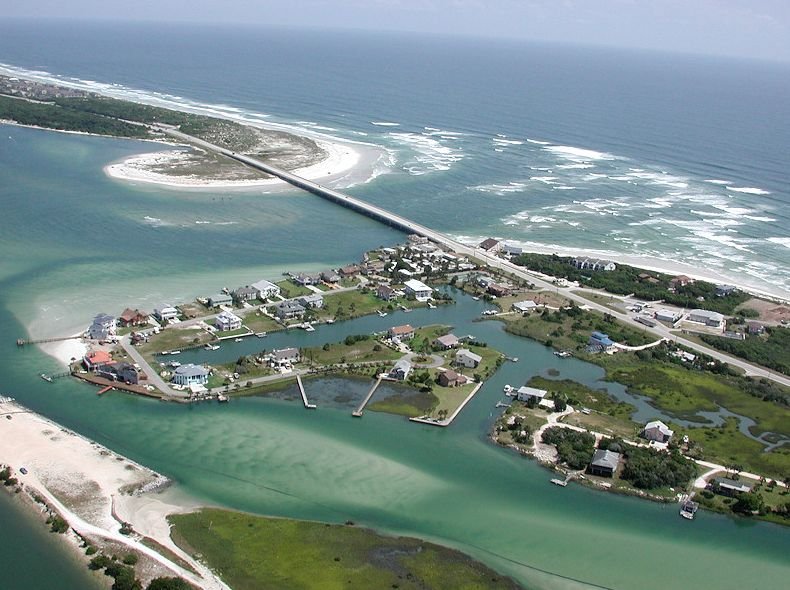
{"x":526,"y":394}
{"x":467,"y":358}
{"x":285,"y":357}
{"x":314,"y":301}
{"x":657,"y":431}
{"x":227,"y":321}
{"x":102,"y":328}
{"x":704,"y":321}
{"x":524,"y":306}
{"x":166,"y":312}
{"x":190,"y":375}
{"x":266,"y":289}
{"x":418,"y":289}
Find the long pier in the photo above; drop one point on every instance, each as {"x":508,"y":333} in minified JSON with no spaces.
{"x":358,"y":412}
{"x":24,"y":341}
{"x":306,"y":403}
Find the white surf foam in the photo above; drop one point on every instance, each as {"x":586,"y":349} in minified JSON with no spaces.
{"x":749,"y":190}
{"x":576,"y":154}
{"x":428,"y":153}
{"x":780,"y":241}
{"x":384,"y":124}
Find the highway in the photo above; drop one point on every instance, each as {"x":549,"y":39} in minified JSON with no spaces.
{"x":408,"y":226}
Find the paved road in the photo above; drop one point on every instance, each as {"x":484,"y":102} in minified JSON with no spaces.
{"x":153,"y":374}
{"x":409,"y":226}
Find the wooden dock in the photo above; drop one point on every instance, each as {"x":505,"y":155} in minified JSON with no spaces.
{"x":25,"y":342}
{"x":358,"y":412}
{"x":306,"y":403}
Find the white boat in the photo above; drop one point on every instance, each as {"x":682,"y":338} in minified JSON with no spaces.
{"x":508,"y":388}
{"x":688,"y":509}
{"x":382,"y":313}
{"x":211,"y":347}
{"x":223,"y":399}
{"x":559,"y":482}
{"x":239,"y":340}
{"x":46,"y":377}
{"x":261,"y":334}
{"x":175,"y":352}
{"x":476,"y":298}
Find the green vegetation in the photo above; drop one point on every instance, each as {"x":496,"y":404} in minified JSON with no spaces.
{"x":169,"y":584}
{"x":66,"y":118}
{"x":625,"y":279}
{"x":766,"y":501}
{"x":289,"y":289}
{"x":354,"y":349}
{"x":123,"y":575}
{"x":408,"y":403}
{"x":771,"y":349}
{"x":254,"y":552}
{"x":57,"y":524}
{"x":649,"y":469}
{"x":575,"y":449}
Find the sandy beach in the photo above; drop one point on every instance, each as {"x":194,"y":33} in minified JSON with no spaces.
{"x":95,"y":489}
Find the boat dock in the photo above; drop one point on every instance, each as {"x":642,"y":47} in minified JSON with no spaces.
{"x":306,"y":403}
{"x":448,"y":421}
{"x":25,"y":342}
{"x":358,"y":412}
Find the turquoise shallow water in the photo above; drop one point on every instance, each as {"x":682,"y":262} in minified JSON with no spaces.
{"x":272,"y":457}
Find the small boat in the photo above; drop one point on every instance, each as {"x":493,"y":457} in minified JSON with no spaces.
{"x":330,"y":321}
{"x":239,"y":340}
{"x":46,"y":377}
{"x":260,"y":334}
{"x":175,"y":352}
{"x":223,"y":399}
{"x":559,"y":482}
{"x":476,"y":298}
{"x":688,"y":509}
{"x":174,"y":364}
{"x":211,"y":347}
{"x":382,"y":314}
{"x":512,"y":359}
{"x":431,"y":305}
{"x":309,"y":328}
{"x":508,"y":389}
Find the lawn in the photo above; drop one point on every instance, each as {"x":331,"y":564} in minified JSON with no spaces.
{"x":408,"y":403}
{"x":354,"y":352}
{"x":350,"y":304}
{"x":258,"y":322}
{"x":289,"y":289}
{"x":174,"y":338}
{"x":253,"y":552}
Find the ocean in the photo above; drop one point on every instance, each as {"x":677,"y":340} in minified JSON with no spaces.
{"x":676,"y":158}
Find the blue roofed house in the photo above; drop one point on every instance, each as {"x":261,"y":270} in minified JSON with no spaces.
{"x":190,"y":375}
{"x":102,"y":328}
{"x":600,"y":341}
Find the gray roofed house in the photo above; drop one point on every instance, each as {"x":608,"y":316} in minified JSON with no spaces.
{"x":524,"y":306}
{"x":330,"y":276}
{"x":245,"y":293}
{"x":288,"y":310}
{"x":729,"y":487}
{"x":401,"y":370}
{"x":220,"y":299}
{"x":467,"y":358}
{"x":190,"y":375}
{"x":604,"y":463}
{"x":657,"y":431}
{"x":103,"y":327}
{"x":285,"y":356}
{"x":703,"y":316}
{"x":525,"y":393}
{"x":314,"y":300}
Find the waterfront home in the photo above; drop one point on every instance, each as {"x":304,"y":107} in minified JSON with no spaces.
{"x":668,"y":316}
{"x":601,"y":341}
{"x":729,"y":487}
{"x":450,"y":378}
{"x":314,"y":301}
{"x":657,"y":431}
{"x":330,"y":276}
{"x":446,"y":342}
{"x":709,"y":318}
{"x":190,"y":374}
{"x":594,"y":264}
{"x":95,"y":359}
{"x":266,"y":290}
{"x":102,"y":328}
{"x":288,"y":310}
{"x":285,"y":357}
{"x":305,"y":279}
{"x":467,"y":358}
{"x":524,"y":306}
{"x":247,"y":293}
{"x":385,"y":292}
{"x":484,"y":281}
{"x":418,"y":289}
{"x":525,"y":394}
{"x":724,"y":290}
{"x":132,"y":317}
{"x":166,"y":312}
{"x":227,"y":321}
{"x":220,"y":299}
{"x":405,"y":332}
{"x":679,"y":281}
{"x":401,"y":370}
{"x":604,"y":463}
{"x":490,"y":245}
{"x":498,"y":290}
{"x":123,"y":372}
{"x":512,"y":250}
{"x":350,"y":270}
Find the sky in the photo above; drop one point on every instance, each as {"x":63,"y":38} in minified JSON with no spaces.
{"x":743,"y":28}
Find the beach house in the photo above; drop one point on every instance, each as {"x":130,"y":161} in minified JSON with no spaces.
{"x":467,"y":358}
{"x":405,"y":332}
{"x":418,"y":289}
{"x":166,"y":312}
{"x":657,"y":431}
{"x":190,"y":374}
{"x":288,"y":310}
{"x":401,"y":370}
{"x":712,"y":319}
{"x":247,"y":293}
{"x":490,"y":245}
{"x":526,"y":394}
{"x":227,"y":321}
{"x":132,"y":317}
{"x":524,"y":306}
{"x":604,"y":463}
{"x":285,"y":357}
{"x":95,"y":359}
{"x":314,"y":301}
{"x":102,"y":328}
{"x":266,"y":290}
{"x":220,"y":299}
{"x":446,"y":342}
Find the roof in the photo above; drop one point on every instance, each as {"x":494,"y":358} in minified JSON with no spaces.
{"x":264,"y":285}
{"x":405,"y":329}
{"x":290,"y":306}
{"x":469,"y":354}
{"x":228,"y":317}
{"x":130,"y":314}
{"x":447,"y":340}
{"x":416,"y":285}
{"x":662,"y":428}
{"x":246,"y":290}
{"x":531,"y":391}
{"x":103,"y":318}
{"x":191,"y":370}
{"x":525,"y":305}
{"x":732,"y":484}
{"x":311,"y":298}
{"x":98,"y":357}
{"x":607,"y":459}
{"x":488,"y":243}
{"x":709,"y":315}
{"x":403,"y":365}
{"x":602,"y":338}
{"x":285,"y":353}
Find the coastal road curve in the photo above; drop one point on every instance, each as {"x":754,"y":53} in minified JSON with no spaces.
{"x":409,"y":226}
